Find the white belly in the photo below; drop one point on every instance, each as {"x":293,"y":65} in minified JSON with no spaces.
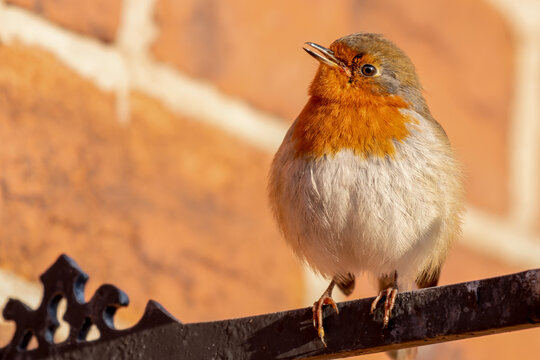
{"x":346,"y":214}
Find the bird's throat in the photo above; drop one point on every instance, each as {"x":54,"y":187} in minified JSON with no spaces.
{"x":369,"y":128}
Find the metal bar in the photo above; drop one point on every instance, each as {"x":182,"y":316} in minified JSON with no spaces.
{"x":421,"y":317}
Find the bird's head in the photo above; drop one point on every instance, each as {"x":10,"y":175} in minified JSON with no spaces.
{"x":362,"y":67}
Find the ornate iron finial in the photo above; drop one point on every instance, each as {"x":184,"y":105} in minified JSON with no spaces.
{"x":64,"y":279}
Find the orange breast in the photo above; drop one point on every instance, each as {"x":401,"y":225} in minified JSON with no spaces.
{"x":326,"y":127}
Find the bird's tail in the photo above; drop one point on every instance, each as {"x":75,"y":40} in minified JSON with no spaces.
{"x":345,"y":283}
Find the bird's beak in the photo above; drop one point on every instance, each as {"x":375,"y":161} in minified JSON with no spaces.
{"x":327,"y":57}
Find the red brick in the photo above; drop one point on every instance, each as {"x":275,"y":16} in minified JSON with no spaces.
{"x":163,"y":207}
{"x":463,"y":51}
{"x":97,"y":18}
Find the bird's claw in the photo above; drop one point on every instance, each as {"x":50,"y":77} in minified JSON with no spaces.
{"x":390,"y":294}
{"x":318,"y":314}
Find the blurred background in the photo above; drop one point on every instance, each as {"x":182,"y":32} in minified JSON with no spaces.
{"x":136,"y":137}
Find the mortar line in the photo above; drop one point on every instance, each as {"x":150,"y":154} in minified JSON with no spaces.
{"x":524,"y":146}
{"x":524,"y":149}
{"x":500,"y":238}
{"x":135,"y":34}
{"x":137,"y":30}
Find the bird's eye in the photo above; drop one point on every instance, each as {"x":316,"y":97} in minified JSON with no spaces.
{"x":368,"y":70}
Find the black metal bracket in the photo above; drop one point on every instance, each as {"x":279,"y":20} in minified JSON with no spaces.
{"x":427,"y":316}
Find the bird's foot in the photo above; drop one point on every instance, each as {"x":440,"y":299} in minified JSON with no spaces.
{"x":325,"y":299}
{"x":390,"y":294}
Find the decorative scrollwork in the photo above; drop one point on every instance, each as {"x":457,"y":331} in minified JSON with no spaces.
{"x":64,"y":279}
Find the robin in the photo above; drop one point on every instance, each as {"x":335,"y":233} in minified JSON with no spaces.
{"x":366,"y":179}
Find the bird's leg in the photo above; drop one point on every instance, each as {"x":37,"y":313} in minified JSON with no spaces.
{"x":326,"y":298}
{"x":390,"y":292}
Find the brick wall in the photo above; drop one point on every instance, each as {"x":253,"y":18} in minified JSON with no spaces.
{"x":136,"y":136}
